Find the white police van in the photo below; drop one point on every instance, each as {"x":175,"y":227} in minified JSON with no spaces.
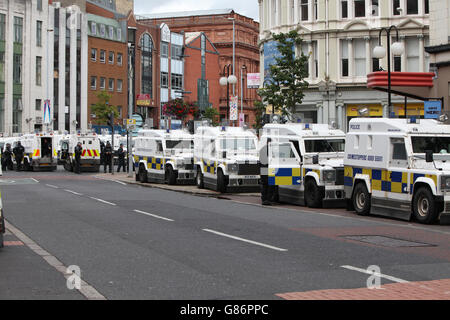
{"x":164,"y":156}
{"x":90,"y":156}
{"x":305,"y":163}
{"x":40,"y":151}
{"x":398,"y":168}
{"x":226,"y":157}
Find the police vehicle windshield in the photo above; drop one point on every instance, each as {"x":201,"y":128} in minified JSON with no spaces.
{"x":180,"y":144}
{"x":236,"y":144}
{"x":324,"y":145}
{"x":436,"y":144}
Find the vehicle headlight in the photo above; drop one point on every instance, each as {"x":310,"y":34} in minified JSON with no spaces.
{"x":445,"y":182}
{"x":329,"y":175}
{"x":233,"y":167}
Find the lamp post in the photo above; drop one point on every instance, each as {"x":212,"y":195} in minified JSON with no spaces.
{"x":379,"y":52}
{"x":234,"y":51}
{"x":226,"y":80}
{"x":244,"y":67}
{"x":130,"y":108}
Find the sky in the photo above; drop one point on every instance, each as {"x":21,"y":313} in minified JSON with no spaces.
{"x":247,"y":8}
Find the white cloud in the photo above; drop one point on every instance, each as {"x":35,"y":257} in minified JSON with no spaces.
{"x":247,"y":8}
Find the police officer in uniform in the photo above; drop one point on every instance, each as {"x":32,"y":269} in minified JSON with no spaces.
{"x":7,"y":158}
{"x":108,"y":156}
{"x":266,"y":190}
{"x":121,"y":156}
{"x":18,"y":151}
{"x":102,"y":153}
{"x":78,"y":151}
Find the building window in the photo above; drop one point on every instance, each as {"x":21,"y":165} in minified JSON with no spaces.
{"x":2,"y":26}
{"x":17,"y":115}
{"x":2,"y":113}
{"x":93,"y":28}
{"x":102,"y":30}
{"x":111,"y":84}
{"x":93,"y":82}
{"x":375,"y":8}
{"x":164,"y":49}
{"x":38,"y":71}
{"x":316,"y":59}
{"x":412,"y":6}
{"x":17,"y":69}
{"x":119,"y":110}
{"x":94,"y":54}
{"x":304,"y":10}
{"x":375,"y":61}
{"x":316,"y":10}
{"x":119,"y":34}
{"x":360,"y":8}
{"x":412,"y":54}
{"x":119,"y":59}
{"x":344,"y":9}
{"x":38,"y":104}
{"x":359,"y":46}
{"x":397,"y":64}
{"x":102,"y":56}
{"x":146,"y":64}
{"x":395,"y":7}
{"x":164,"y":80}
{"x":111,"y":57}
{"x":39,"y":33}
{"x":2,"y":67}
{"x":291,"y":11}
{"x":177,"y":81}
{"x":427,"y":6}
{"x":39,"y":5}
{"x":119,"y":85}
{"x":18,"y":29}
{"x":111,"y":33}
{"x":102,"y":83}
{"x":176,"y":52}
{"x":305,"y":52}
{"x":344,"y":58}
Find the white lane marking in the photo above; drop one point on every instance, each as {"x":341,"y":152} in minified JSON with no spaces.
{"x":120,"y":182}
{"x":153,"y":215}
{"x":73,"y":192}
{"x":35,"y":180}
{"x":245,"y":240}
{"x":86,"y":289}
{"x":394,"y":279}
{"x":52,"y":186}
{"x":100,"y":200}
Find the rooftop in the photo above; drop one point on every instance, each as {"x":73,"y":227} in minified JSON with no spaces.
{"x":181,"y":14}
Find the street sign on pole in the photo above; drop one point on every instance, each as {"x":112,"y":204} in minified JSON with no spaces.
{"x":233,"y":108}
{"x":241,"y":119}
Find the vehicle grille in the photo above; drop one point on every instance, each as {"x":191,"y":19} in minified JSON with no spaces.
{"x":447,"y":207}
{"x":189,"y":167}
{"x":340,"y":176}
{"x":248,"y":169}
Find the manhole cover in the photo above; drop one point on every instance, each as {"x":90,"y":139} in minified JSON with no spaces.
{"x":387,"y":241}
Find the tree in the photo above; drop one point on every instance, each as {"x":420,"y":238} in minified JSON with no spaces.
{"x":212,"y":114}
{"x":260,"y":110}
{"x":286,"y":83}
{"x":102,"y":109}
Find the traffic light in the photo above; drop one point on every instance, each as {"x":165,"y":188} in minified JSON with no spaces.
{"x":111,"y":119}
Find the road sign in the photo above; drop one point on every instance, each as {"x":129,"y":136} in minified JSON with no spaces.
{"x":233,"y":108}
{"x":432,"y":109}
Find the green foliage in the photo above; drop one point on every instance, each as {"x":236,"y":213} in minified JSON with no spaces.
{"x":102,"y":109}
{"x":287,"y":76}
{"x":213,"y":115}
{"x":260,"y":109}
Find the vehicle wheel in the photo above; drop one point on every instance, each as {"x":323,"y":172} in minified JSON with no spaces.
{"x":275,"y":196}
{"x":361,"y":199}
{"x":26,"y":165}
{"x":313,"y":194}
{"x":221,"y":187}
{"x":199,"y":179}
{"x":424,"y":206}
{"x":171,"y":176}
{"x":143,"y":178}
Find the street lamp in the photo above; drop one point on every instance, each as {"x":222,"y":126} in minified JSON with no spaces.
{"x":226,"y":80}
{"x":244,"y":67}
{"x":379,"y":52}
{"x":234,"y":50}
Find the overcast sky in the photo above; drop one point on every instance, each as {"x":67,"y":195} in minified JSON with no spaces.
{"x":247,"y":8}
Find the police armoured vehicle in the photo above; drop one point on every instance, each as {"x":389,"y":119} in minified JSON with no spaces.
{"x":226,"y":157}
{"x":90,"y":156}
{"x":40,"y":151}
{"x":164,"y":156}
{"x":398,"y":168}
{"x":306,"y":163}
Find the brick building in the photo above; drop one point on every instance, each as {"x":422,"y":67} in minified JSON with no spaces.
{"x":218,"y":27}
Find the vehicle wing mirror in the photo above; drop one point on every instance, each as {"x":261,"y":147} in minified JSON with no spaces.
{"x":315,"y":159}
{"x":429,"y":156}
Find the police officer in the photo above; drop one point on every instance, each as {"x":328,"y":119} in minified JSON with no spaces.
{"x":78,"y":151}
{"x":108,"y":156}
{"x":18,"y":151}
{"x":7,"y":158}
{"x":121,"y":156}
{"x":102,"y":153}
{"x":266,"y":190}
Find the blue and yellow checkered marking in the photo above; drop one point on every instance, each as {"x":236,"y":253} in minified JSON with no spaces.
{"x":285,"y":177}
{"x":152,"y":162}
{"x":415,"y":176}
{"x":381,"y":180}
{"x":210,"y":167}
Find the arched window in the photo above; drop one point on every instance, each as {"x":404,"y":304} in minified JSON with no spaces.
{"x":146,"y":64}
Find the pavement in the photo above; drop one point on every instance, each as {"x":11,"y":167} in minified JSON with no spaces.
{"x":147,"y":242}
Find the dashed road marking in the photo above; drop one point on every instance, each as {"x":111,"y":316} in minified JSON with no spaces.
{"x":393,"y":279}
{"x":245,"y":240}
{"x":103,"y":201}
{"x":73,"y":192}
{"x":52,"y":186}
{"x":86,"y":289}
{"x":153,"y":215}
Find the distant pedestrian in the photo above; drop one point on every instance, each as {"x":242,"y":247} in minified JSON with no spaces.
{"x":108,"y":156}
{"x":7,"y":158}
{"x":102,"y":153}
{"x":78,"y":151}
{"x":19,"y":151}
{"x":121,"y":158}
